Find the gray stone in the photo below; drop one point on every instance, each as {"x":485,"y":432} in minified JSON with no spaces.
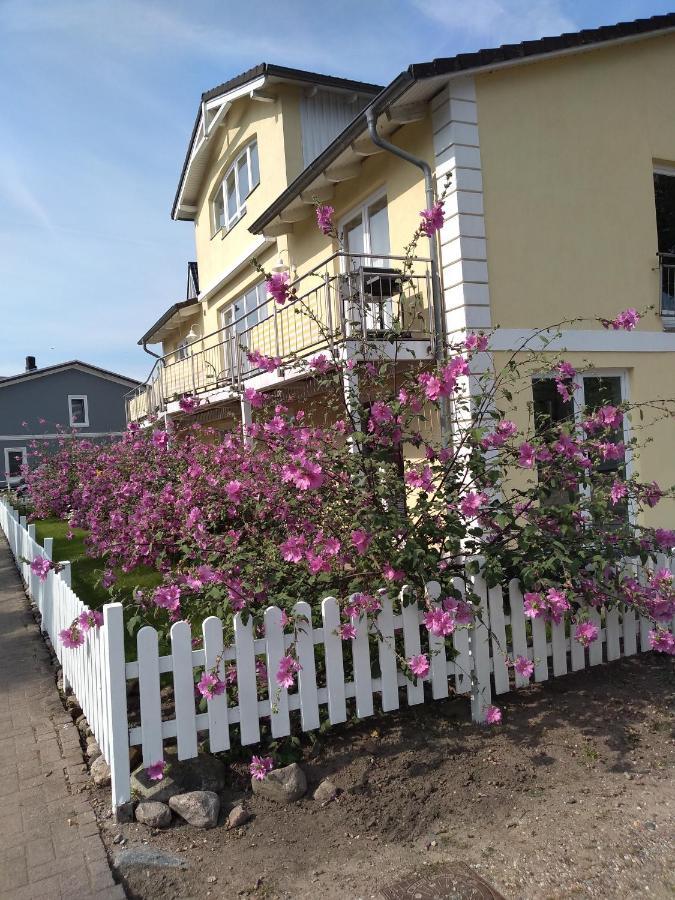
{"x":93,"y":750}
{"x":147,"y":856}
{"x":282,"y":785}
{"x":198,"y":808}
{"x":100,"y":772}
{"x":153,"y":814}
{"x":326,"y":791}
{"x":238,"y":816}
{"x":202,"y":773}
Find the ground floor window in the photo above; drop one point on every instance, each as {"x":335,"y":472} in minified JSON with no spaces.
{"x":15,"y":458}
{"x":587,"y":392}
{"x":78,"y":410}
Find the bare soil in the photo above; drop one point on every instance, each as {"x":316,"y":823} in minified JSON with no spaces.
{"x":572,"y":796}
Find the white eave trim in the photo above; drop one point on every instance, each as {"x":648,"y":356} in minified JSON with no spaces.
{"x":236,"y":267}
{"x":221,"y":104}
{"x":19,"y":379}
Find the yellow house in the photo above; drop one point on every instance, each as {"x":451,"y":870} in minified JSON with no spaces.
{"x":559,"y":156}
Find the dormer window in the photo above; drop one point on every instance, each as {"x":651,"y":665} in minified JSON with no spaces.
{"x":229,"y":201}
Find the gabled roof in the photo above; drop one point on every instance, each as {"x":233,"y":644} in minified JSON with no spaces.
{"x":420,"y":81}
{"x":71,"y":364}
{"x":249,"y":80}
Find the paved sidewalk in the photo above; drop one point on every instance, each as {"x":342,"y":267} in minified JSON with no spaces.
{"x":49,"y":841}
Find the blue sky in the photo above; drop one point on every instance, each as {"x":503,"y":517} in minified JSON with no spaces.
{"x":97,"y":101}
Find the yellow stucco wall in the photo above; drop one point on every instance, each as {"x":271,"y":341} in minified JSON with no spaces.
{"x":567,"y":149}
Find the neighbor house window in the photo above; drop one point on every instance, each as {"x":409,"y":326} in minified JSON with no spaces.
{"x":664,"y":196}
{"x":591,"y":390}
{"x":78,"y":410}
{"x":229,"y":201}
{"x":15,"y":458}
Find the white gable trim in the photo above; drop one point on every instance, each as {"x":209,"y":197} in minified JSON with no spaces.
{"x":80,"y":367}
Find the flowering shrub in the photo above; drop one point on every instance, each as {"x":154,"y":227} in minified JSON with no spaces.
{"x":373,"y":501}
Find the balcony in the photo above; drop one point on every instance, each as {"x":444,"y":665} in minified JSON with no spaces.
{"x":667,"y":289}
{"x":355,"y":305}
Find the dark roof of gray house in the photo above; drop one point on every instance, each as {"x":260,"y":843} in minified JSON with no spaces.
{"x":289,"y":74}
{"x":443,"y":66}
{"x":73,"y":363}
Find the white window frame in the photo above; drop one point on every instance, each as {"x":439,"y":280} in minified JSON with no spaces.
{"x":221,"y":190}
{"x":362,"y":210}
{"x":14,"y":479}
{"x":578,"y":406}
{"x":85,"y":423}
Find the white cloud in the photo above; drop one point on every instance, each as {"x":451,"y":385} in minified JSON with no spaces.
{"x":15,"y":190}
{"x":499,"y":21}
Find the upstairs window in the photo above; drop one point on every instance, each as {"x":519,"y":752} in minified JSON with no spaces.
{"x":664,"y":196}
{"x":78,"y":410}
{"x":229,"y":201}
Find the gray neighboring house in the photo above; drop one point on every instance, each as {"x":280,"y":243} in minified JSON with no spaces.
{"x":85,"y":400}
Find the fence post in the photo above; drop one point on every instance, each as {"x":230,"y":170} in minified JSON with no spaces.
{"x":113,"y":625}
{"x":31,"y":556}
{"x":479,"y":636}
{"x":65,"y":576}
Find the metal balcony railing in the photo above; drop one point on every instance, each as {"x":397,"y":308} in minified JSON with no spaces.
{"x":667,"y":284}
{"x":348,"y":297}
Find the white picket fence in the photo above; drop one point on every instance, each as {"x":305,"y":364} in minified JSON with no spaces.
{"x":98,"y":673}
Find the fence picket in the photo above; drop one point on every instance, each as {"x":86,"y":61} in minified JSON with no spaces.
{"x":460,"y":641}
{"x":247,"y":687}
{"x":595,"y":647}
{"x":147,"y":646}
{"x":539,"y":651}
{"x":274,"y":640}
{"x":335,"y":667}
{"x":307,"y":689}
{"x":438,"y":658}
{"x":184,"y":689}
{"x":412,"y":645}
{"x":518,"y":629}
{"x":363,"y":680}
{"x":559,"y":647}
{"x":498,"y":640}
{"x":387,"y":654}
{"x":612,"y":632}
{"x":481,"y":692}
{"x":577,"y":651}
{"x":219,"y":732}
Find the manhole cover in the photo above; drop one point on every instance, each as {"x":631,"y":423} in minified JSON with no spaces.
{"x":457,"y":882}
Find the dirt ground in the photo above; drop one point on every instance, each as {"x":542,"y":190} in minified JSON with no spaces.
{"x":572,"y":796}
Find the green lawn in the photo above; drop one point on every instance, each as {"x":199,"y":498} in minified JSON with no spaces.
{"x":87,"y":571}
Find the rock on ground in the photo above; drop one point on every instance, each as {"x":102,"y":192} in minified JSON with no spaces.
{"x":238,"y":816}
{"x":326,"y":791}
{"x":203,"y":773}
{"x":100,"y":772}
{"x":154,"y":814}
{"x":198,"y":808}
{"x":147,"y":856}
{"x":282,"y":785}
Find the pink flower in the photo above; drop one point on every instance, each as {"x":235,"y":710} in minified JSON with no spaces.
{"x":233,"y":491}
{"x":260,"y":766}
{"x":493,"y":715}
{"x":277,"y":286}
{"x":432,"y":219}
{"x":662,"y":641}
{"x":293,"y":548}
{"x":108,"y":579}
{"x":652,"y":494}
{"x":210,"y":686}
{"x":665,"y":538}
{"x":476,"y":342}
{"x":41,"y":567}
{"x":167,"y":597}
{"x":320,"y":364}
{"x":255,"y":398}
{"x":286,"y":672}
{"x":266,"y":363}
{"x":347,"y":631}
{"x":439,"y":622}
{"x":460,"y":610}
{"x":585,"y":633}
{"x":324,"y":219}
{"x":533,"y":605}
{"x":526,"y":455}
{"x":90,"y":618}
{"x":392,"y":574}
{"x":160,"y":438}
{"x":71,"y":637}
{"x":523,"y":666}
{"x":155,"y":771}
{"x":361,"y":540}
{"x":419,"y":665}
{"x":188,"y":404}
{"x":626,"y":321}
{"x":617,"y":492}
{"x":472,"y":503}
